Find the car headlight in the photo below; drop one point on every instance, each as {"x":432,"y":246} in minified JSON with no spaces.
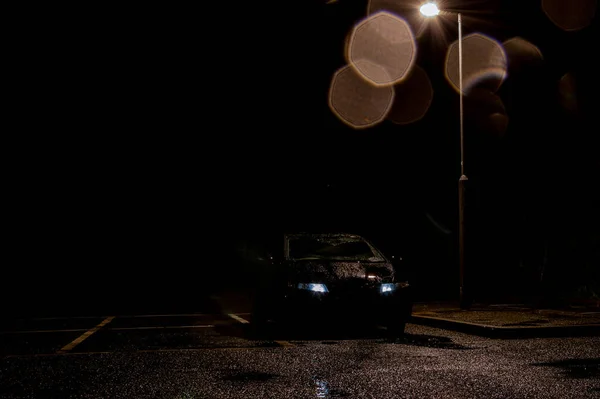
{"x":314,"y":287}
{"x":387,"y":288}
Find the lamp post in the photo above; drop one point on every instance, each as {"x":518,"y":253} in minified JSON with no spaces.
{"x":431,"y":10}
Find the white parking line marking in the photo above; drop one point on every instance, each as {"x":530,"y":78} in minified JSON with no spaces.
{"x":169,"y":315}
{"x":158,"y":327}
{"x":41,"y":331}
{"x":123,"y":316}
{"x":85,"y":335}
{"x":244,"y":321}
{"x":62,"y":318}
{"x":238,"y":318}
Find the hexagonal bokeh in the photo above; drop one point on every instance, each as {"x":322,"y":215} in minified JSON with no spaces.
{"x":356,"y":102}
{"x":487,"y":112}
{"x":484,"y":63}
{"x":408,"y":10}
{"x":521,"y":54}
{"x":568,"y":93}
{"x":413,"y":98}
{"x":382,"y":49}
{"x":570,"y":15}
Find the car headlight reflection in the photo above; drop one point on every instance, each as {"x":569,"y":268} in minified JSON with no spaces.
{"x":314,"y":287}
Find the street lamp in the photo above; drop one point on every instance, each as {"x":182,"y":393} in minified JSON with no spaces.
{"x":431,"y":10}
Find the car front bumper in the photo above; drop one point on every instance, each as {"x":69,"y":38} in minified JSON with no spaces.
{"x":335,"y":307}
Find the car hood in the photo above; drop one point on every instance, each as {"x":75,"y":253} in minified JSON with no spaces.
{"x":331,"y":271}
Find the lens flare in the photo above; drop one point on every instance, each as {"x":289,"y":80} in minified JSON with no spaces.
{"x":356,"y":102}
{"x":429,"y":10}
{"x":409,"y":11}
{"x":570,"y":15}
{"x":484,"y":63}
{"x":382,"y":48}
{"x":567,"y":91}
{"x":486,"y":111}
{"x":521,"y":55}
{"x":412,"y":99}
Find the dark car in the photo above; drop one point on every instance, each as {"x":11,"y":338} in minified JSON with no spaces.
{"x":331,"y":278}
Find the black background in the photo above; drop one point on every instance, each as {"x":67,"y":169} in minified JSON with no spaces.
{"x":150,"y":142}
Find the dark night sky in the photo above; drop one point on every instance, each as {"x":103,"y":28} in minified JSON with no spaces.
{"x":145,"y":134}
{"x":293,"y":126}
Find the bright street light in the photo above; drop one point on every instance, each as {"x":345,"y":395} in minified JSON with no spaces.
{"x":429,"y":10}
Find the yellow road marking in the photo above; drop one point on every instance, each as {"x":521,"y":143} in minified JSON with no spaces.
{"x":85,"y":335}
{"x":41,"y":331}
{"x":238,"y":318}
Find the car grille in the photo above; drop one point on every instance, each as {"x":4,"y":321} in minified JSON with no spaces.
{"x":350,"y":289}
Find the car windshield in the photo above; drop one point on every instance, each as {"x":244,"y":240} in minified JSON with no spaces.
{"x":332,"y":248}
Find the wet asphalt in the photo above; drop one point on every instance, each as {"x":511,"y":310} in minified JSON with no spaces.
{"x":216,"y":355}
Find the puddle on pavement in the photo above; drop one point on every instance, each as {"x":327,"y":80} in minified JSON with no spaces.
{"x":576,"y":368}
